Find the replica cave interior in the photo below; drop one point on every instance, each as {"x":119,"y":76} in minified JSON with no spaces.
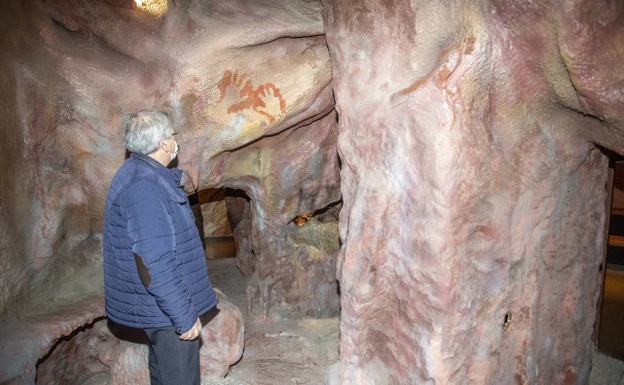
{"x":388,"y":192}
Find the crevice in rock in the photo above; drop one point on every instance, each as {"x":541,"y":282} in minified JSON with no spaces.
{"x":281,"y":38}
{"x":292,"y":128}
{"x":302,"y":219}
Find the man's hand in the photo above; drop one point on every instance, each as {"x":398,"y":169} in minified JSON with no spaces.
{"x":193,"y":332}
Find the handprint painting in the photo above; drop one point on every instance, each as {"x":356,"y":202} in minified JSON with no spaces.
{"x":239,"y":97}
{"x":237,"y":107}
{"x":266,"y":100}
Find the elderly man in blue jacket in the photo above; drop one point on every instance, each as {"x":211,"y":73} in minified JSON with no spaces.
{"x":155,"y":273}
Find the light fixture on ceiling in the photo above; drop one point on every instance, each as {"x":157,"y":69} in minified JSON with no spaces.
{"x":153,"y":7}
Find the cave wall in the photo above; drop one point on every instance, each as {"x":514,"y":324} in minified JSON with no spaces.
{"x":231,"y":75}
{"x":474,"y":193}
{"x":473,"y":190}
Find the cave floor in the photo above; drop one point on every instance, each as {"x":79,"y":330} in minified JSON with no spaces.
{"x":285,"y":352}
{"x":277,"y":352}
{"x":290,"y":352}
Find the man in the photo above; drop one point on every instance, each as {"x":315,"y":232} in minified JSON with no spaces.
{"x":155,"y":273}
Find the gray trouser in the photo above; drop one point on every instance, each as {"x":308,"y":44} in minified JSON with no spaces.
{"x":172,"y":361}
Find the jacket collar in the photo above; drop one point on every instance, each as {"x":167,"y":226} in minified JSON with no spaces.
{"x":174,"y":173}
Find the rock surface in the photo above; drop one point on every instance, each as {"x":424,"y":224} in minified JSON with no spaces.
{"x":30,"y":334}
{"x":283,"y":351}
{"x":214,"y":213}
{"x":474,"y":194}
{"x":290,"y":276}
{"x":231,"y":75}
{"x":215,"y":219}
{"x":117,"y":356}
{"x":473,"y":189}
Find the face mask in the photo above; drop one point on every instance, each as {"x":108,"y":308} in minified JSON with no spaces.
{"x":175,"y":153}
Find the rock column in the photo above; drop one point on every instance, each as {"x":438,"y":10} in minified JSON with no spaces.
{"x":474,"y":208}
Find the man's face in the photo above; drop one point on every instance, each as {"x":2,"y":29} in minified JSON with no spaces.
{"x":171,"y":142}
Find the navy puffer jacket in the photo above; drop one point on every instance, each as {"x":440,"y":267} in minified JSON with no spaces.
{"x":148,"y":223}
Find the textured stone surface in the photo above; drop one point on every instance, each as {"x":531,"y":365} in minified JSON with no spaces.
{"x":473,"y":192}
{"x":474,"y":196}
{"x":285,"y":351}
{"x":119,"y":354}
{"x":294,"y":278}
{"x":606,"y":370}
{"x":222,"y":381}
{"x":232,"y":76}
{"x":314,"y":342}
{"x":93,"y":350}
{"x":30,"y":334}
{"x":222,"y":339}
{"x":290,"y":274}
{"x":214,"y":213}
{"x":236,"y":207}
{"x":245,"y":255}
{"x":61,"y":337}
{"x":215,"y":220}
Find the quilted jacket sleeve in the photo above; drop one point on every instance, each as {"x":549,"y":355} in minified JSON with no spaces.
{"x":152,"y":235}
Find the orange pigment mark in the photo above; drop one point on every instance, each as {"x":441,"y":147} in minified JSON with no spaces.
{"x":225,"y":81}
{"x":302,"y":219}
{"x":422,"y":80}
{"x":469,"y":45}
{"x":415,"y":85}
{"x":251,"y":98}
{"x":276,"y":92}
{"x":444,"y":74}
{"x":570,"y":376}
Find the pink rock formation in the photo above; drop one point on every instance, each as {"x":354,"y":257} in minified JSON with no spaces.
{"x":289,"y":277}
{"x":30,"y":338}
{"x":214,"y":213}
{"x":248,"y":89}
{"x":95,"y":354}
{"x":215,"y":219}
{"x":474,"y":194}
{"x":222,"y":339}
{"x":473,"y":189}
{"x":239,"y":212}
{"x":231,"y":76}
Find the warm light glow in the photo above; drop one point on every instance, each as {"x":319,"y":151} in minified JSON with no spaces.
{"x":153,"y":7}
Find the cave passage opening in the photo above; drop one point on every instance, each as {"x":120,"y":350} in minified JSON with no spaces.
{"x":608,"y":332}
{"x":215,"y":224}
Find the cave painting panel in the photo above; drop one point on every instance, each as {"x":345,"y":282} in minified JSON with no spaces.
{"x":68,"y":95}
{"x":265,"y":99}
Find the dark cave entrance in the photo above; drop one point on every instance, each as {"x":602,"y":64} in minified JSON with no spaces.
{"x":608,"y":329}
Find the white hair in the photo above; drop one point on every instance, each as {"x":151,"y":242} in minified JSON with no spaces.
{"x":145,"y":130}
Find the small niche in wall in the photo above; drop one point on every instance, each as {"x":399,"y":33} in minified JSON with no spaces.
{"x":213,"y":222}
